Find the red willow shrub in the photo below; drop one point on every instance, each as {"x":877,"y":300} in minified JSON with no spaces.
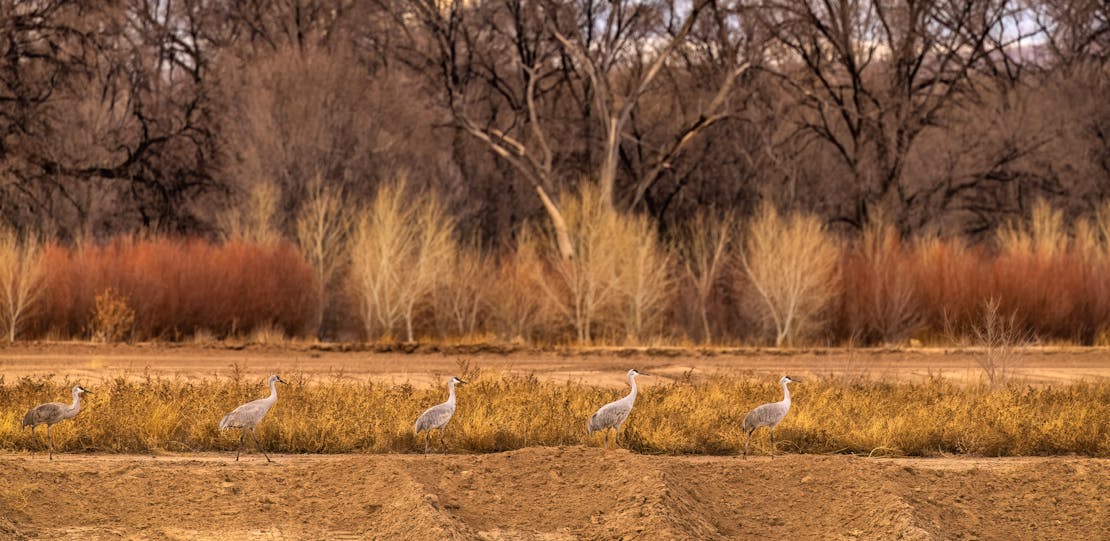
{"x":878,"y":302}
{"x":179,"y":286}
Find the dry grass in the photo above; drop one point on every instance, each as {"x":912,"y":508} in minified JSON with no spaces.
{"x":498,"y":413}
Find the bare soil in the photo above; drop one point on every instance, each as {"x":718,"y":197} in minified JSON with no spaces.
{"x":93,"y":363}
{"x":544,"y":493}
{"x":550,"y":494}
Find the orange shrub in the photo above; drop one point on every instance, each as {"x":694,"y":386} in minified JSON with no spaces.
{"x":177,"y":286}
{"x":879,"y":302}
{"x":950,"y":281}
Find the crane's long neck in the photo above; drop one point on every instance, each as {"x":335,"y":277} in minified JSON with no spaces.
{"x":76,"y":407}
{"x":785,"y":394}
{"x":273,"y":392}
{"x":451,"y":395}
{"x":632,"y":382}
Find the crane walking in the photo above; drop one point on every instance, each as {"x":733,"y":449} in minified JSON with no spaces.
{"x":769,"y":415}
{"x":614,"y":414}
{"x":247,"y":416}
{"x":437,"y":417}
{"x":53,"y":412}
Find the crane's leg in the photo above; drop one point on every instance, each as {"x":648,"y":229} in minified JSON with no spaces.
{"x":32,"y":440}
{"x":442,"y":439}
{"x":259,"y":445}
{"x":242,"y":434}
{"x":606,"y":442}
{"x":748,"y":442}
{"x":772,"y":444}
{"x":50,"y":437}
{"x":427,"y":440}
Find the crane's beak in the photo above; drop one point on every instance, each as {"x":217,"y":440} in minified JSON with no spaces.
{"x":461,"y":382}
{"x":86,"y":391}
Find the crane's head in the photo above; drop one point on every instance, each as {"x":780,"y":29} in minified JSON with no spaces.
{"x":635,"y":372}
{"x":788,"y":379}
{"x":456,"y":381}
{"x":80,"y":389}
{"x":276,"y":378}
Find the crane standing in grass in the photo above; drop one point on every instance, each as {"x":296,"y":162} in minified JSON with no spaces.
{"x":614,"y":414}
{"x":437,"y":417}
{"x":247,"y":416}
{"x":53,"y":412}
{"x":769,"y":415}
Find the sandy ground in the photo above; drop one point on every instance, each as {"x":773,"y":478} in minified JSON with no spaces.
{"x":92,"y":363}
{"x":545,"y":493}
{"x":552,"y":494}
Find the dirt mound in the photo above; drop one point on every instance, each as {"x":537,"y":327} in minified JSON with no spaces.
{"x":551,"y":494}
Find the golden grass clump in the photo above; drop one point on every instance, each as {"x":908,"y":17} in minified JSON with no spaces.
{"x":498,"y":412}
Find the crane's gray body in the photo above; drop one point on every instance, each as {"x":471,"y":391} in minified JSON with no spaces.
{"x":769,"y":415}
{"x":614,"y":414}
{"x":437,"y":417}
{"x":247,"y":416}
{"x":53,"y":412}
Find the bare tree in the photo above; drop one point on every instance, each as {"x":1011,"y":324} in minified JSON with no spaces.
{"x":553,"y":88}
{"x":873,"y":76}
{"x":790,"y":263}
{"x":21,"y":280}
{"x":400,"y":250}
{"x":323,"y":230}
{"x":703,"y":249}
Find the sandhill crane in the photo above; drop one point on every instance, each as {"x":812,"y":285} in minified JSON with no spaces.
{"x":248,"y":415}
{"x":768,"y":415}
{"x":613,"y":414}
{"x":53,"y":412}
{"x":438,"y":416}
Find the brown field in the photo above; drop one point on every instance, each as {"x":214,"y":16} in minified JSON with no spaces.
{"x":545,"y":492}
{"x":92,"y":363}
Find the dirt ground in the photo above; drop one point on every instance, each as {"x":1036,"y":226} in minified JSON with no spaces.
{"x":545,"y":493}
{"x":552,"y":494}
{"x":93,"y":363}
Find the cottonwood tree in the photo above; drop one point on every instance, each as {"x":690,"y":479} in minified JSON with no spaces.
{"x":872,"y":76}
{"x":1076,"y":32}
{"x":105,"y":116}
{"x":625,"y":51}
{"x":553,"y":88}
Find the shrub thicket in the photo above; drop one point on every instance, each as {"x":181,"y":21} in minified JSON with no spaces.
{"x":781,"y":280}
{"x":179,"y":287}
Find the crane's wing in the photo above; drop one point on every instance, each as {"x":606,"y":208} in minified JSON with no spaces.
{"x":245,"y":416}
{"x":765,"y":415}
{"x":51,"y":412}
{"x":434,"y":417}
{"x":610,"y":415}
